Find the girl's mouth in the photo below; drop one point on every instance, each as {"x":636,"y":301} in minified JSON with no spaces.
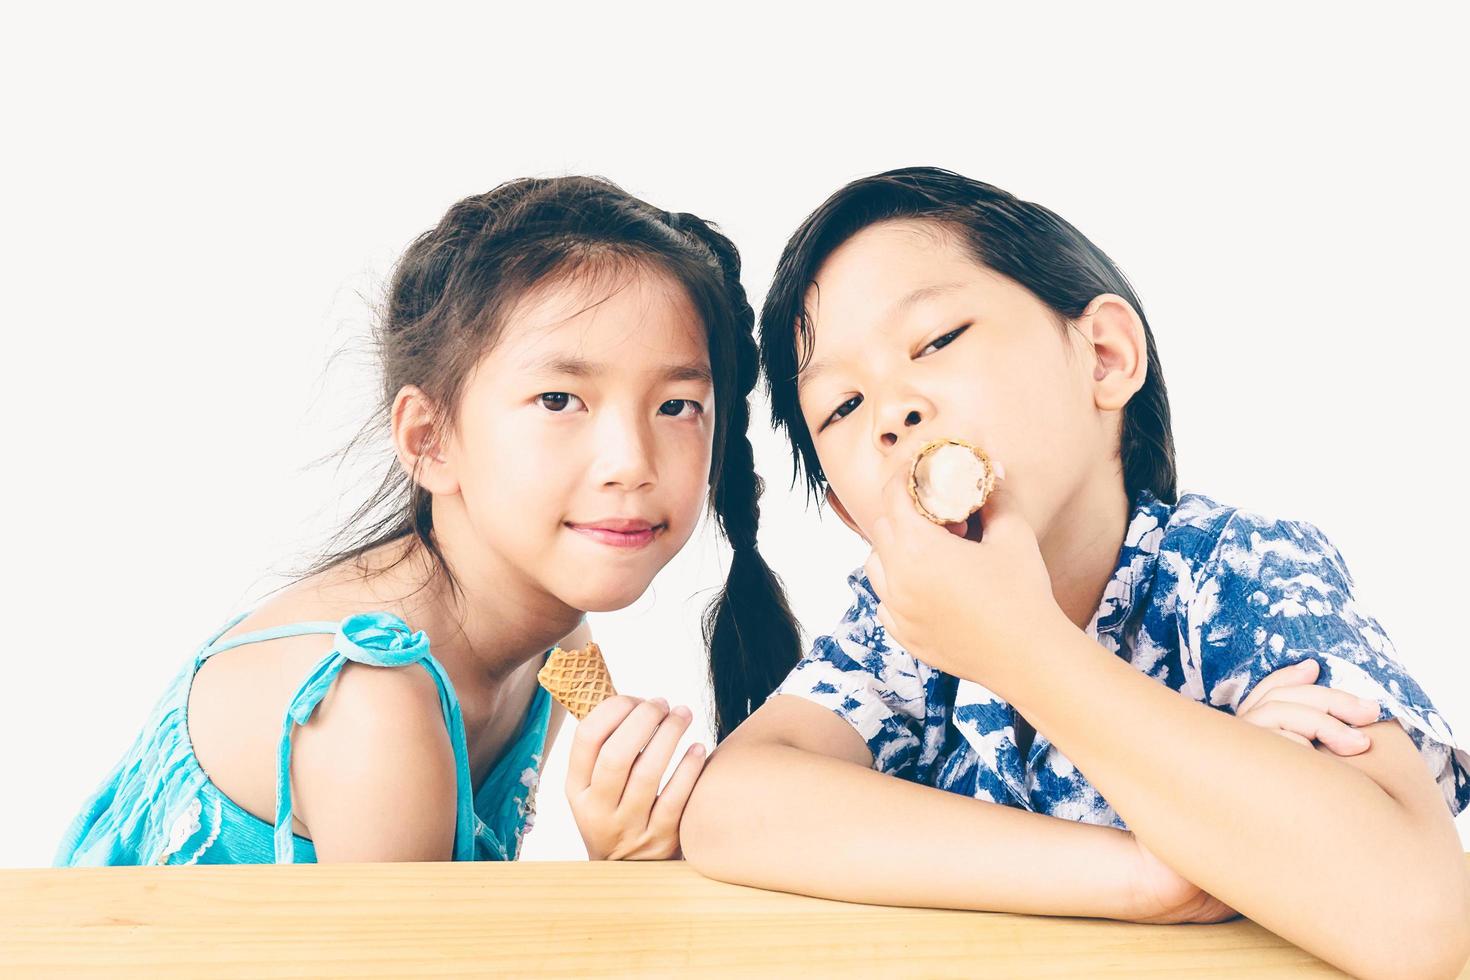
{"x":619,"y":532}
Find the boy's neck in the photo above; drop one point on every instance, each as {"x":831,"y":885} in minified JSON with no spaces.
{"x":1081,"y":548}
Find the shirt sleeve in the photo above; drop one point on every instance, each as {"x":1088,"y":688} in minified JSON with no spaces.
{"x":1274,"y":593}
{"x":875,"y":686}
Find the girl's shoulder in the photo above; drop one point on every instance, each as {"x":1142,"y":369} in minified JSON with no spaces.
{"x":240,"y":695}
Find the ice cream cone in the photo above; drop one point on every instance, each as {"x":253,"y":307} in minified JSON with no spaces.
{"x":950,"y":493}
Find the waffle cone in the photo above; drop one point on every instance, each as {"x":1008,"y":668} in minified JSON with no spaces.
{"x":577,"y":679}
{"x":982,"y":490}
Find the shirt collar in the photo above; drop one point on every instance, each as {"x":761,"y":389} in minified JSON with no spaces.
{"x":1128,"y":589}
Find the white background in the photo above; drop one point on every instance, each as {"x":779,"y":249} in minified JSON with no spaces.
{"x":199,"y":209}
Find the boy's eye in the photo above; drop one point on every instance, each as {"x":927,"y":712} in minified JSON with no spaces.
{"x":675,"y":408}
{"x":945,"y":340}
{"x":557,"y":401}
{"x":843,"y":410}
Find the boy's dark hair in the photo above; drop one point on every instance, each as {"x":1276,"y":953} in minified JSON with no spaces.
{"x":1023,"y":241}
{"x":446,"y":304}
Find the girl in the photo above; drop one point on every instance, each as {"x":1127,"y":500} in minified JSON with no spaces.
{"x":1086,"y":662}
{"x":565,"y":378}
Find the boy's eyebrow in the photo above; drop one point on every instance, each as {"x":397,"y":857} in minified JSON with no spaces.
{"x":580,"y":367}
{"x":923,"y":293}
{"x":811,"y":371}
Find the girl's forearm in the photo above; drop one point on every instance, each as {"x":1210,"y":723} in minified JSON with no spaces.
{"x":827,"y":827}
{"x":1300,"y":841}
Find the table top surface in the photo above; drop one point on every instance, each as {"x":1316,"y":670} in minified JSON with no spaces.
{"x":554,"y":919}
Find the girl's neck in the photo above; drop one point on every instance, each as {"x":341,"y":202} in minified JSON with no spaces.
{"x":1081,"y":548}
{"x":498,"y":620}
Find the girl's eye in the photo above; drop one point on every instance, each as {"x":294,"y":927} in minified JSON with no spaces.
{"x":557,"y":401}
{"x":944,"y":341}
{"x":675,"y":408}
{"x":843,"y":410}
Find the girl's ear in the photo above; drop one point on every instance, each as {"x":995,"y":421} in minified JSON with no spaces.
{"x":835,"y":503}
{"x":420,"y":453}
{"x":1114,"y":330}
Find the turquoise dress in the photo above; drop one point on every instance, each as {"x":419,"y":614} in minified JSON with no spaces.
{"x":159,"y":807}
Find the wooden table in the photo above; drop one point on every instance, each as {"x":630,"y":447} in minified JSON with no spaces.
{"x":541,"y":919}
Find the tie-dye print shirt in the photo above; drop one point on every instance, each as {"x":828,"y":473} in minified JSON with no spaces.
{"x":1206,"y":599}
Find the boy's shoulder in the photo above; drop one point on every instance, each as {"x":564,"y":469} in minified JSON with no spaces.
{"x":1205,"y":533}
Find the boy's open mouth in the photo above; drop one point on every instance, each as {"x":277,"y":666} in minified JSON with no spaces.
{"x":970,"y":529}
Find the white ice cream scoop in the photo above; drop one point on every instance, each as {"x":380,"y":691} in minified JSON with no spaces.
{"x":949,"y":480}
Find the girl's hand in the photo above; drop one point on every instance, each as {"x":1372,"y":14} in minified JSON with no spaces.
{"x":1289,"y":702}
{"x":964,"y":607}
{"x":619,"y":754}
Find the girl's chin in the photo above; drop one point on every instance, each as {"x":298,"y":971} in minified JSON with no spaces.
{"x":592,"y":596}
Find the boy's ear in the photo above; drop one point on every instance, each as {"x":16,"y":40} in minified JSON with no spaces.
{"x":835,"y":503}
{"x":418,"y":445}
{"x":1114,"y":330}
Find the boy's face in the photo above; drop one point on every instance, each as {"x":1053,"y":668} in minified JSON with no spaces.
{"x":913,"y":340}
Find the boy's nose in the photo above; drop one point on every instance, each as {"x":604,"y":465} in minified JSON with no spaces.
{"x":890,"y":433}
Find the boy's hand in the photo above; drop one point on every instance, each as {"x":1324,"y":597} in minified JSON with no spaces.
{"x":961,"y":606}
{"x":1289,"y":701}
{"x":619,"y":755}
{"x":1162,"y":896}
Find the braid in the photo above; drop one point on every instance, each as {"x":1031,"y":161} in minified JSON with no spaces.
{"x":749,"y":629}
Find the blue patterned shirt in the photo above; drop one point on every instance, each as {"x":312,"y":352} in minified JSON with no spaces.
{"x":1206,"y":599}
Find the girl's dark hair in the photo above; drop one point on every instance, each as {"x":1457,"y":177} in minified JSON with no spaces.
{"x":1020,"y":240}
{"x":446,"y":304}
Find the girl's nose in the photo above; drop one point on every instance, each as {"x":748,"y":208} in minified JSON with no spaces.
{"x":625,"y":458}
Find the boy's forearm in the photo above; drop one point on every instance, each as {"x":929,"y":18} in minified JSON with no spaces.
{"x":826,"y":827}
{"x":1301,"y":842}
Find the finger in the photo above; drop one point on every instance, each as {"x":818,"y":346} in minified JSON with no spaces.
{"x":591,"y":733}
{"x":649,"y":768}
{"x":1002,"y":513}
{"x":669,"y":808}
{"x":1340,"y":704}
{"x":1293,"y":736}
{"x":1312,"y":724}
{"x":1303,"y":672}
{"x":620,"y":751}
{"x":904,"y":525}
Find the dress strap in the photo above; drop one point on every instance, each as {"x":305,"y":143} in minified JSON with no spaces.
{"x":273,"y":633}
{"x":377,"y":639}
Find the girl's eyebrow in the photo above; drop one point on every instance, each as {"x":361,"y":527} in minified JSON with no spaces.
{"x":580,"y":367}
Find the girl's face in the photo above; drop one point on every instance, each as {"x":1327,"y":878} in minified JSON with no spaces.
{"x":914,"y":340}
{"x":582,"y":449}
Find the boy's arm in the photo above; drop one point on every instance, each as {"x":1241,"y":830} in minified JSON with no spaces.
{"x":789,"y":802}
{"x":1352,"y":858}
